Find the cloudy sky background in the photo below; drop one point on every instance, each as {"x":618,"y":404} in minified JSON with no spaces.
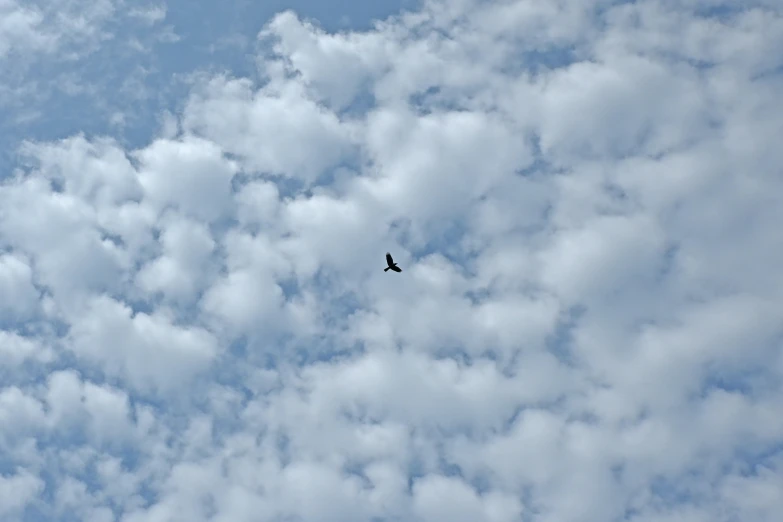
{"x":585,"y":197}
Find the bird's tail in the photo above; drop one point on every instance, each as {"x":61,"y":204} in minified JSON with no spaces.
{"x":386,"y":269}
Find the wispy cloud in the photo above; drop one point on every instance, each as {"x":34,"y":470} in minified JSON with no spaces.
{"x":151,"y":14}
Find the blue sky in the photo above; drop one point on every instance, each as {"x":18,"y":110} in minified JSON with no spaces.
{"x":190,"y":37}
{"x":197,"y":199}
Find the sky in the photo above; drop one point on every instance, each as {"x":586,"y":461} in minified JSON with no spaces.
{"x":585,"y":199}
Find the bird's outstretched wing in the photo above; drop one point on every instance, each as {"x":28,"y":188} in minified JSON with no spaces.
{"x":396,"y":268}
{"x":389,"y":260}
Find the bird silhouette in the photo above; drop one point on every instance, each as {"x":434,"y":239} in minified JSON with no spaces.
{"x":391,"y":263}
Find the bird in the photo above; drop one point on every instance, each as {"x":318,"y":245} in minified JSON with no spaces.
{"x":391,"y":263}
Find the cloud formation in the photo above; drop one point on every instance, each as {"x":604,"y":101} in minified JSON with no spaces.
{"x":584,"y":197}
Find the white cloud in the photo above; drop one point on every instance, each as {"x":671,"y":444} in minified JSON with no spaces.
{"x":19,"y":300}
{"x":428,"y":163}
{"x":447,"y":498}
{"x":72,"y":26}
{"x":20,"y":28}
{"x":15,"y":350}
{"x":18,"y":490}
{"x":184,"y":266}
{"x":151,"y":14}
{"x":584,"y":199}
{"x":124,"y":343}
{"x":190,"y":175}
{"x":277,"y":133}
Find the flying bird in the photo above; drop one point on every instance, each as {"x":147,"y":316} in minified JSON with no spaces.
{"x":391,"y":263}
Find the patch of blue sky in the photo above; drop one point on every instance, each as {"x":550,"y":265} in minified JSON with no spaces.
{"x":127,"y":82}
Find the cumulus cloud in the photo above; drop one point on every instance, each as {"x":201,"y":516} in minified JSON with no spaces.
{"x":584,"y":198}
{"x":62,"y":25}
